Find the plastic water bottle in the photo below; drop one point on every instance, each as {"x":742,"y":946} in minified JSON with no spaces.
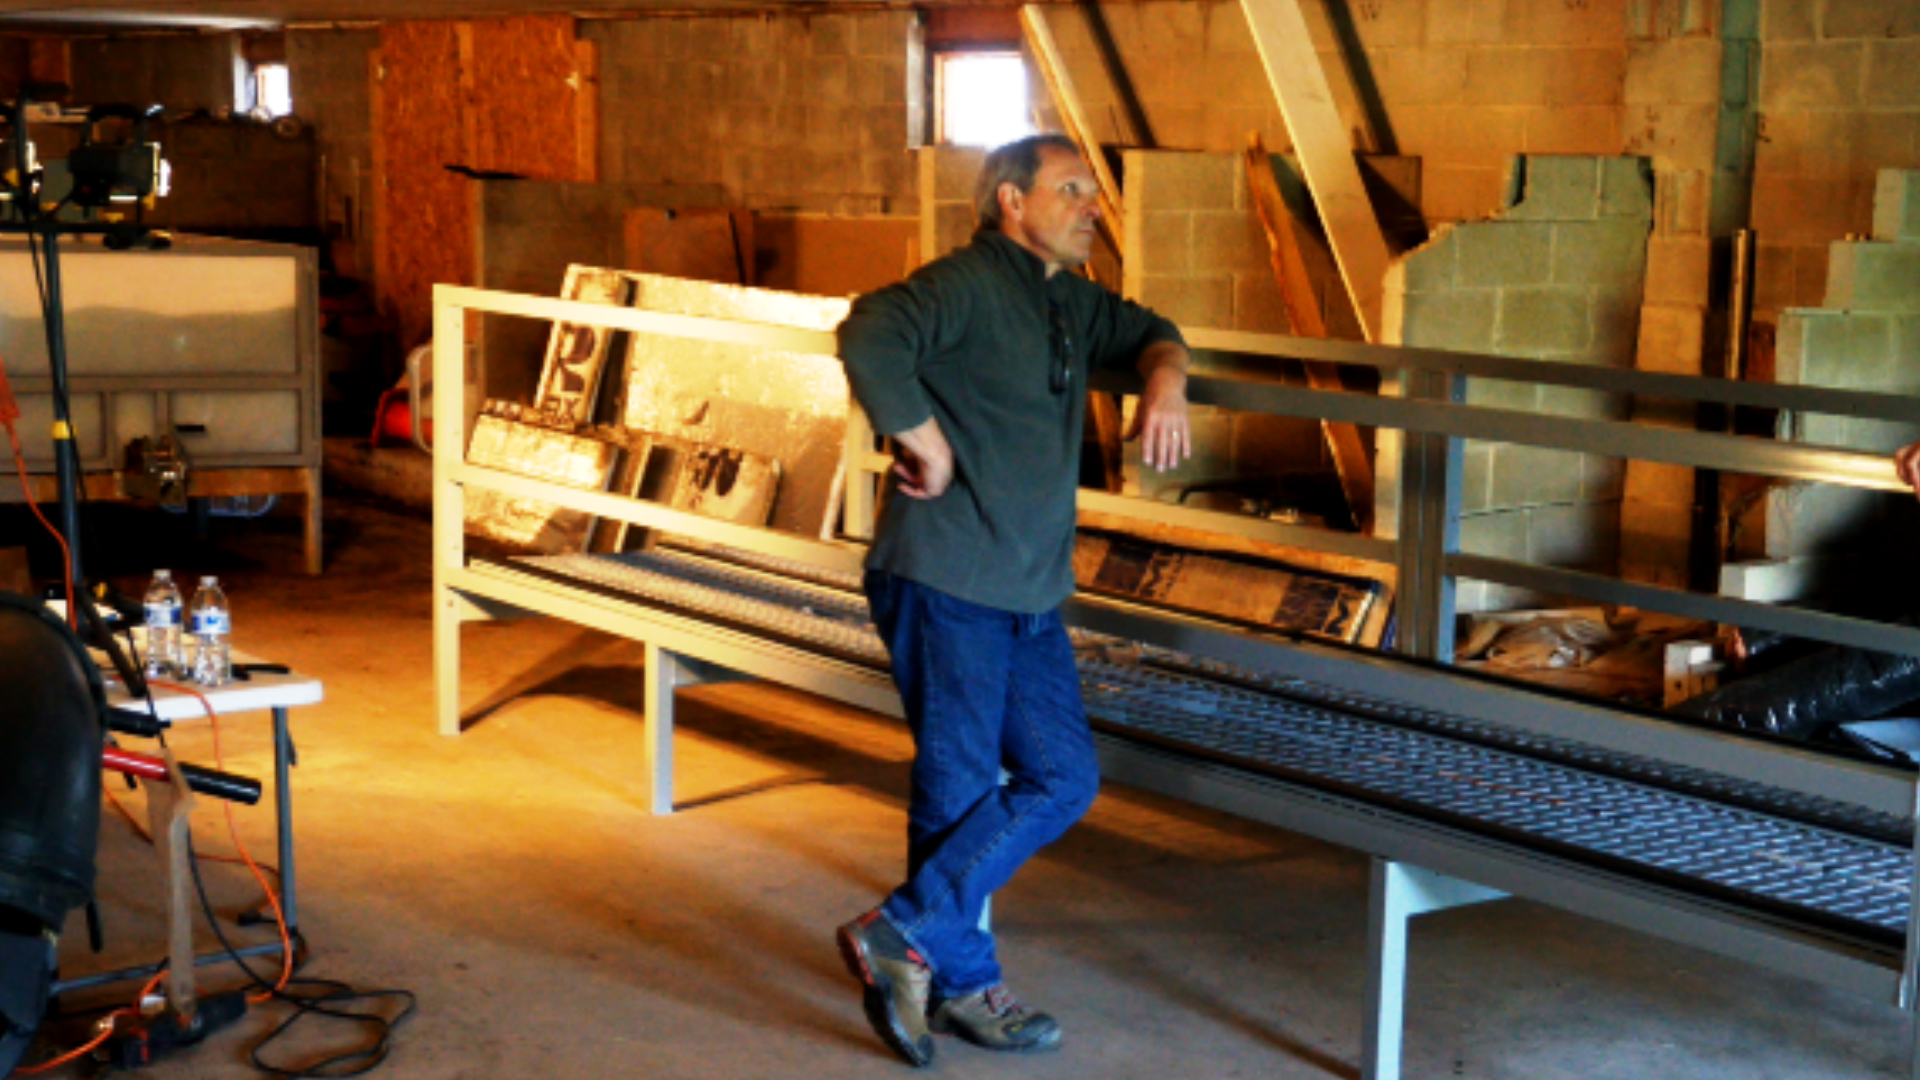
{"x":163,"y":626}
{"x":211,"y":623}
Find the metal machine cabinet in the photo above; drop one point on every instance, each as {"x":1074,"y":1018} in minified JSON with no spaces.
{"x":215,"y":340}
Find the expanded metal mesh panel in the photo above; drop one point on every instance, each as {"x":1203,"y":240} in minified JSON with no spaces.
{"x":1434,"y":766}
{"x":1843,"y":816}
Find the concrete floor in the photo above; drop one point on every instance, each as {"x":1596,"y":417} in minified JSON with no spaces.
{"x":552,"y":928}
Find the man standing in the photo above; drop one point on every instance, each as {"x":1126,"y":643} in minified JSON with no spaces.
{"x":976,"y":367}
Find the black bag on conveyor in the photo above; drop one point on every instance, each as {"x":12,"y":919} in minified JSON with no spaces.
{"x":1834,"y":685}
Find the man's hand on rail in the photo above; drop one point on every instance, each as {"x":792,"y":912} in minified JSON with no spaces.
{"x":1161,"y":422}
{"x":1907,"y":463}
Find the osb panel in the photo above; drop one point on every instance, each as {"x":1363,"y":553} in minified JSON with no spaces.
{"x":426,"y":214}
{"x":528,"y":91}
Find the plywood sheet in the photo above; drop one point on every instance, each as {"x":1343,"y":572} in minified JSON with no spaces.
{"x":527,"y":91}
{"x":425,"y":211}
{"x":787,"y":407}
{"x":702,"y":244}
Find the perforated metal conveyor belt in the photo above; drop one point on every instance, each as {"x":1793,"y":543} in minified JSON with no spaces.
{"x":1767,"y":850}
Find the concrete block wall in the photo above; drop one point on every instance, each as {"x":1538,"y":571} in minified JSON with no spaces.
{"x":1194,"y":250}
{"x":792,"y":112}
{"x":1865,"y":337}
{"x":1840,"y":100}
{"x":1464,"y":84}
{"x":1559,"y":277}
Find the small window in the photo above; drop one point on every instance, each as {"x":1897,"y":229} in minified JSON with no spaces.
{"x":983,"y":98}
{"x":272,"y":91}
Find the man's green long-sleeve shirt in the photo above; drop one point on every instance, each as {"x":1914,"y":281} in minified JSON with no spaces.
{"x":970,"y":340}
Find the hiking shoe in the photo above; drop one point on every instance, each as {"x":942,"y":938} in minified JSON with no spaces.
{"x":897,"y":982}
{"x":995,"y":1019}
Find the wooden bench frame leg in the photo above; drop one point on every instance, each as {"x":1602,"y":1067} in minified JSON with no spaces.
{"x":1399,"y":892}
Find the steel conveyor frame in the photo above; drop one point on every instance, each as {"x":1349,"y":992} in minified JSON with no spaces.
{"x":1418,"y":866}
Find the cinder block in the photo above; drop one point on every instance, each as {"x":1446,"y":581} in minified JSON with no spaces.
{"x":1788,"y":20}
{"x":1176,"y":180}
{"x":1820,"y":519}
{"x":1812,"y":75}
{"x":1165,"y":244}
{"x":1675,"y":136}
{"x":1461,"y":135}
{"x":1654,"y":543}
{"x":1580,"y":535}
{"x":1175,"y":28}
{"x":1808,"y":343}
{"x":1870,"y":275}
{"x":881,"y":34}
{"x":1572,"y":129}
{"x":1808,"y":210}
{"x":1230,"y":241}
{"x":1431,"y":76}
{"x":1565,"y":24}
{"x":1555,"y":188}
{"x":1616,"y":325}
{"x":1673,"y":71}
{"x":1496,"y":253}
{"x":1773,"y":286}
{"x":1537,"y":320}
{"x":1462,"y":321}
{"x":1893,"y":73}
{"x":1500,"y":534}
{"x":1896,"y":204}
{"x":1503,"y":394}
{"x":1451,"y":193}
{"x":1257,"y":305}
{"x":955,"y":168}
{"x":1602,"y":479}
{"x":1476,"y":477}
{"x":1677,"y":269}
{"x":1626,"y":188}
{"x":1469,"y":22}
{"x":1430,"y":267}
{"x":1580,"y":404}
{"x":1606,"y":253}
{"x":1190,"y":300}
{"x":1871,"y":19}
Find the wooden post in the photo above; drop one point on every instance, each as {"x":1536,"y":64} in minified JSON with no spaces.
{"x":1303,"y":311}
{"x":168,"y":808}
{"x":1326,"y":154}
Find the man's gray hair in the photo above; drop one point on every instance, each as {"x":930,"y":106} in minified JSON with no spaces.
{"x":1016,"y":163}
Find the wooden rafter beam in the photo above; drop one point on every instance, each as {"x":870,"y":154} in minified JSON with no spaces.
{"x":1033,"y":20}
{"x":1297,"y":294}
{"x":1325,"y":151}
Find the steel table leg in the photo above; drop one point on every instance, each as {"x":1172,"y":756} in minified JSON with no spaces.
{"x":283,"y":811}
{"x":1399,"y":892}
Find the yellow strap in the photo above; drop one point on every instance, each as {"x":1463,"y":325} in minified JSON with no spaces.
{"x":61,"y":430}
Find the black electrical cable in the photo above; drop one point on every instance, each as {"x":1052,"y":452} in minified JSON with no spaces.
{"x":336,"y":993}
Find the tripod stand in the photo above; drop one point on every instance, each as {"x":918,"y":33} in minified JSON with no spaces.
{"x":42,"y":226}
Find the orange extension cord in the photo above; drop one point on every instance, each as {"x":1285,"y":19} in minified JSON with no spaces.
{"x":233,"y":830}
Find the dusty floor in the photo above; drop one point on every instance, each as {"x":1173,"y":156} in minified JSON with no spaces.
{"x":551,"y":928}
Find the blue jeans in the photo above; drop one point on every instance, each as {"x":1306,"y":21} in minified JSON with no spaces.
{"x":984,"y":690}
